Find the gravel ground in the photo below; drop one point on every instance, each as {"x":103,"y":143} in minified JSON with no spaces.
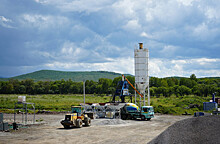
{"x":196,"y":130}
{"x":108,"y":131}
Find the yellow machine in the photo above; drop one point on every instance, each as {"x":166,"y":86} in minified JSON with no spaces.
{"x":76,"y":118}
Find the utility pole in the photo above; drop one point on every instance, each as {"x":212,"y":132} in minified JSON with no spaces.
{"x":84,"y":91}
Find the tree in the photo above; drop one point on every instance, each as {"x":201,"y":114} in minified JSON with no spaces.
{"x":16,"y":85}
{"x":105,"y":83}
{"x":29,"y":84}
{"x":183,"y":90}
{"x":193,"y":77}
{"x":55,"y":88}
{"x":115,"y":81}
{"x":22,"y":89}
{"x":164,"y":83}
{"x":111,"y":90}
{"x":154,"y":81}
{"x":171,"y":82}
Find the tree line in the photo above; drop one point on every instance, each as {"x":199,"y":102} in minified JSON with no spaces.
{"x":158,"y":86}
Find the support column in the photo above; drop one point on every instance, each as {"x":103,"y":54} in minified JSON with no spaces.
{"x":25,"y":113}
{"x":34,"y":114}
{"x":135,"y":94}
{"x":148,"y":95}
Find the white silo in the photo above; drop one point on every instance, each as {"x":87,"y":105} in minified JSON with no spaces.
{"x":141,"y":57}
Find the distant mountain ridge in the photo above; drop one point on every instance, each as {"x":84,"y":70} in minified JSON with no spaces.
{"x":52,"y":75}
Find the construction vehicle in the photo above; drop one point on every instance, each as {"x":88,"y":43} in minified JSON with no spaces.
{"x":132,"y":111}
{"x":76,"y":119}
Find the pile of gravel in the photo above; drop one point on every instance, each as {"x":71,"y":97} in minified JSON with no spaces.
{"x":108,"y":122}
{"x":196,"y":130}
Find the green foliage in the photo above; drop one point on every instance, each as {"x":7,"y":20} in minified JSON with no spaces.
{"x":178,"y":105}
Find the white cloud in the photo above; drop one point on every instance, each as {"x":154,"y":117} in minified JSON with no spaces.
{"x":123,"y":65}
{"x":168,"y":50}
{"x":99,"y":35}
{"x":71,"y":51}
{"x":144,"y":34}
{"x":186,"y":2}
{"x":5,"y":22}
{"x":157,"y":67}
{"x":132,"y":25}
{"x":202,"y":67}
{"x":43,"y":22}
{"x":87,"y":6}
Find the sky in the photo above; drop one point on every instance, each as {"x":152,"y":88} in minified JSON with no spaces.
{"x":183,"y":36}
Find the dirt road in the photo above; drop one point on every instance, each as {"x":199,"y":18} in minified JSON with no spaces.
{"x":108,"y":131}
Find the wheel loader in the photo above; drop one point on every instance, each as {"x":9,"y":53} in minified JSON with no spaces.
{"x":76,"y":119}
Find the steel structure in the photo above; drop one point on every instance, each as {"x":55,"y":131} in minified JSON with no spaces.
{"x":24,"y":111}
{"x":122,"y":90}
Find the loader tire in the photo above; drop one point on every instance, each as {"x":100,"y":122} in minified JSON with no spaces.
{"x":123,"y":117}
{"x":87,"y":122}
{"x":66,"y":126}
{"x":148,"y":119}
{"x":79,"y":123}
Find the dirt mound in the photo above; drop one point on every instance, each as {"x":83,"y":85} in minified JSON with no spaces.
{"x":198,"y":130}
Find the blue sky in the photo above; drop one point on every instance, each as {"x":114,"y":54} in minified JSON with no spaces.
{"x":183,"y":36}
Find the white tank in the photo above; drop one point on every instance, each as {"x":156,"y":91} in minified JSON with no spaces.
{"x":21,"y":99}
{"x":141,"y":56}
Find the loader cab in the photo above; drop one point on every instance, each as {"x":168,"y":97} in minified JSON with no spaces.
{"x":76,"y":109}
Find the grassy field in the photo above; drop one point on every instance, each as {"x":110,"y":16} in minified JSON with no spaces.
{"x":170,"y":105}
{"x":50,"y":102}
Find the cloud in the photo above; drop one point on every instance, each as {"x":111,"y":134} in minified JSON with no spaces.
{"x":182,"y":35}
{"x":132,"y":25}
{"x":77,"y":5}
{"x":43,"y":22}
{"x":168,"y":50}
{"x":5,"y":22}
{"x":124,"y":67}
{"x":203,"y":67}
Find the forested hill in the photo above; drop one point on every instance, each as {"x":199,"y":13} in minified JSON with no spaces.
{"x":52,"y":75}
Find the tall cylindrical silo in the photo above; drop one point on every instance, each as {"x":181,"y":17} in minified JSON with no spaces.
{"x":141,"y":57}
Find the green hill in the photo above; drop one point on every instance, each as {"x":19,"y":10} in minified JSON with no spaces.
{"x":52,"y":75}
